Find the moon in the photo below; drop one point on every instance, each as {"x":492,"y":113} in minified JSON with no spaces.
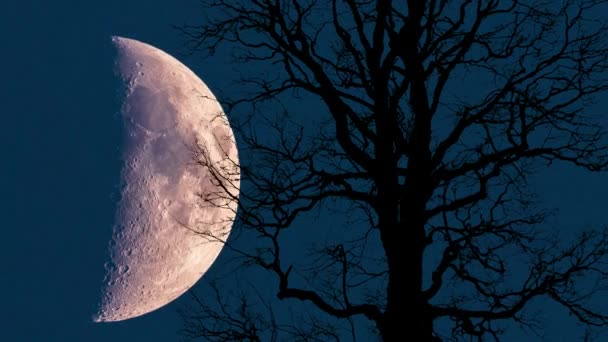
{"x":165,"y":236}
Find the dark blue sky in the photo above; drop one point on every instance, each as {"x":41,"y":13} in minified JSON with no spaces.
{"x":60,"y":146}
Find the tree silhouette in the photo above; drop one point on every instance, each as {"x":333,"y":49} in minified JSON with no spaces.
{"x":434,"y":177}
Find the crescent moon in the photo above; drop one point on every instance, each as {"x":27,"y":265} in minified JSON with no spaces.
{"x":164,"y":238}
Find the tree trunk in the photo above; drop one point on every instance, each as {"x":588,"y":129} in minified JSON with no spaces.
{"x":406,"y":313}
{"x":402,"y":221}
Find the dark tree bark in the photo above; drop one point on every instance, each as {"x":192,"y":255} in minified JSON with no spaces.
{"x":431,"y":173}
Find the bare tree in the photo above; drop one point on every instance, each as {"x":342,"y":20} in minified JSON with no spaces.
{"x":434,"y":177}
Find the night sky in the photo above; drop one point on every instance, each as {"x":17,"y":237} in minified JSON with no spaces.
{"x":61,"y":143}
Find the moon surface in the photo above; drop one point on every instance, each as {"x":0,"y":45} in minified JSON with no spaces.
{"x":165,"y":236}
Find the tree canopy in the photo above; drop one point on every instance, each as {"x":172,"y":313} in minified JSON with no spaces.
{"x":433,"y":175}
